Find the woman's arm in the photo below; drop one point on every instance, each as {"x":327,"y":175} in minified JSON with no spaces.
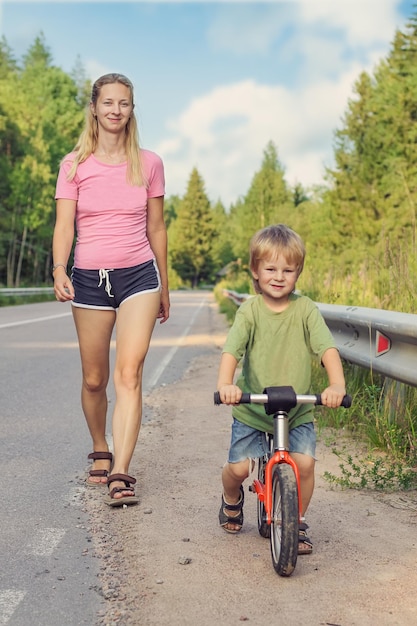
{"x":62,"y":242}
{"x":157,"y":236}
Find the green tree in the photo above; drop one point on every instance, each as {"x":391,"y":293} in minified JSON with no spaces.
{"x":222,"y":249}
{"x":171,"y":209}
{"x":267,"y":201}
{"x":10,"y":142}
{"x":372,"y":189}
{"x":41,"y":108}
{"x":191,"y":234}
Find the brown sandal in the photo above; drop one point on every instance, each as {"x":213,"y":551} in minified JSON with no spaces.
{"x":305,"y":545}
{"x":128,"y":481}
{"x":102,"y":473}
{"x":237,"y":519}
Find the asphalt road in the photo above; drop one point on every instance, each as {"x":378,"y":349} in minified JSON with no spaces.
{"x":49,"y":575}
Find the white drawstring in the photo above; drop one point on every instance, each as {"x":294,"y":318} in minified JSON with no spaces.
{"x":104,"y":275}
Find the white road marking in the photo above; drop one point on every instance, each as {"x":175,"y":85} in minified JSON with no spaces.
{"x":170,"y":355}
{"x":45,"y":541}
{"x":9,"y":601}
{"x":32,"y":321}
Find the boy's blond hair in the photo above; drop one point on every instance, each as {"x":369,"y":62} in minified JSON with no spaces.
{"x":272,"y":241}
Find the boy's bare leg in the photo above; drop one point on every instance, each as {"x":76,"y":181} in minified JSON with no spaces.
{"x":305,"y":466}
{"x":233,"y":476}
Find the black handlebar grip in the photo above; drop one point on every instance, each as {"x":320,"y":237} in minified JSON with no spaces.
{"x":346,"y":402}
{"x":245,"y":399}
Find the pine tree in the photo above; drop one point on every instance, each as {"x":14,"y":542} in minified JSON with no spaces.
{"x":191,"y":234}
{"x":267,"y":201}
{"x":43,"y":120}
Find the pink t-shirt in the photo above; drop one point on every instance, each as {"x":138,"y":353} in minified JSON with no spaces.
{"x":110,"y":217}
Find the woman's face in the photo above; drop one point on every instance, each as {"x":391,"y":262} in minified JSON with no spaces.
{"x":113,"y":108}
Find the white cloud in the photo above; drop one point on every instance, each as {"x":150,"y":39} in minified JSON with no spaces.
{"x":225,"y":132}
{"x":322,"y":44}
{"x":253,"y":31}
{"x":361,"y":22}
{"x":350,"y":22}
{"x":94,"y":69}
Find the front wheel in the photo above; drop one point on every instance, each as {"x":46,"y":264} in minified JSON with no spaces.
{"x":284,"y":527}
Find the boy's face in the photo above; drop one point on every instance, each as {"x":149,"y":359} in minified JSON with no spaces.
{"x":276,"y":278}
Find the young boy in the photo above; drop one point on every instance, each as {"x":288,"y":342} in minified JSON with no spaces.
{"x":276,"y":333}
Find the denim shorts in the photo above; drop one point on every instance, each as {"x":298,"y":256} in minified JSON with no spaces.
{"x":107,"y":289}
{"x":249,"y":443}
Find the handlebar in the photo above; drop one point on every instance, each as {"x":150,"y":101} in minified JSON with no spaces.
{"x":281,"y":399}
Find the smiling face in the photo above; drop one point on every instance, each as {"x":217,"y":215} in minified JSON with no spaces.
{"x":276,"y":280}
{"x":276,"y":259}
{"x":113,"y":107}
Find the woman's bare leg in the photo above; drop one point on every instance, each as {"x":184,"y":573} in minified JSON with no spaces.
{"x":94,"y":330}
{"x":135,"y":322}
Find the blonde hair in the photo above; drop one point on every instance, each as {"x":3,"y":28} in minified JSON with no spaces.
{"x":87,"y":142}
{"x":273,"y":241}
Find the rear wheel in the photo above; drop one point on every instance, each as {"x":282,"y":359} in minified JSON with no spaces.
{"x":263,"y":527}
{"x":284,"y":527}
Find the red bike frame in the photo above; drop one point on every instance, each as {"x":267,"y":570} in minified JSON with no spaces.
{"x":264,"y":490}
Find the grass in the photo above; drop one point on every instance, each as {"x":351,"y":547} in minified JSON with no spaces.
{"x":382,"y":421}
{"x":16,"y":300}
{"x":379,"y":473}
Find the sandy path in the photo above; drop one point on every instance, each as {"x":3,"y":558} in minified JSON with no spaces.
{"x":166,"y":562}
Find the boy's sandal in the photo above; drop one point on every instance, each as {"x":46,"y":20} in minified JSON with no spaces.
{"x":101,"y":473}
{"x":305,"y":545}
{"x":237,"y":520}
{"x":128,"y":481}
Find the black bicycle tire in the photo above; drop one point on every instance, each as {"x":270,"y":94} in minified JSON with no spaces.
{"x":284,"y":526}
{"x":263,"y":527}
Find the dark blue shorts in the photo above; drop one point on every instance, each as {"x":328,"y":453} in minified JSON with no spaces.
{"x":107,"y":289}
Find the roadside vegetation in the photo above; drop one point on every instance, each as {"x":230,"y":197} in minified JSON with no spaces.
{"x":359,"y":225}
{"x":382,"y":424}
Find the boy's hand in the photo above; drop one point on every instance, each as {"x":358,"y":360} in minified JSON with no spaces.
{"x":333,"y":395}
{"x":230,"y":394}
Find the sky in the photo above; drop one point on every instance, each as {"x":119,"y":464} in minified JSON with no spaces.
{"x":216,"y":81}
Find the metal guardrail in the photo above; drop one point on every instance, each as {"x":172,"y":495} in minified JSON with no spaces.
{"x":382,"y":341}
{"x":26,"y":291}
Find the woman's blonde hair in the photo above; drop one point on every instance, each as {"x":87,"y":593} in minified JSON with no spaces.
{"x":87,"y":142}
{"x":273,"y":241}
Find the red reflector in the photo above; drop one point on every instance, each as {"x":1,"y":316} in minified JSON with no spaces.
{"x":383,"y":344}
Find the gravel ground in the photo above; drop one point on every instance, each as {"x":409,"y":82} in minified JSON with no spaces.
{"x":166,"y":562}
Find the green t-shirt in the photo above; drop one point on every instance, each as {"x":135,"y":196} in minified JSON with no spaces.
{"x":277,"y":350}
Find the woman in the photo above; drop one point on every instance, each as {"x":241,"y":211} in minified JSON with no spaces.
{"x":113,"y":192}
